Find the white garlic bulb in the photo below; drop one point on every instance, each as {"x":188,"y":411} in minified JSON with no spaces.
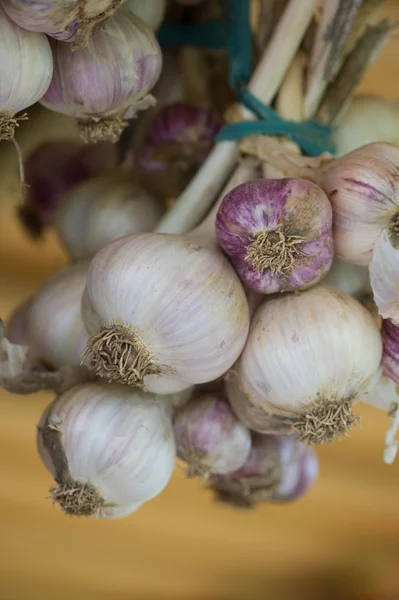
{"x":103,"y":209}
{"x":384,"y":276}
{"x":109,"y":448}
{"x":26,"y":68}
{"x":56,"y":328}
{"x":308,"y":356}
{"x":164,"y":313}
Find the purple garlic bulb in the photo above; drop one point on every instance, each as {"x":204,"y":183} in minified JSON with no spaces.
{"x":180,"y":132}
{"x":278,"y":233}
{"x":209,"y":438}
{"x":390,"y":357}
{"x":52,"y":169}
{"x":278,"y":469}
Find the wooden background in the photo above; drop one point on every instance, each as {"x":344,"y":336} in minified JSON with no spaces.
{"x":340,"y":542}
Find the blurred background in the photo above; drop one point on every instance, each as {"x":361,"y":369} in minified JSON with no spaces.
{"x":340,"y":542}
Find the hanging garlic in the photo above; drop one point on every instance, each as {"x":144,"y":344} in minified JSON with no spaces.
{"x":363,"y":187}
{"x":109,"y":448}
{"x":305,"y":359}
{"x":165,"y":311}
{"x":367,"y":119}
{"x":107,"y":82}
{"x":278,"y":233}
{"x":103,"y":209}
{"x":384,"y":275}
{"x":56,"y":327}
{"x":152,"y":13}
{"x":278,"y":469}
{"x":209,"y":438}
{"x":351,"y":279}
{"x":71,"y":21}
{"x":26,"y":68}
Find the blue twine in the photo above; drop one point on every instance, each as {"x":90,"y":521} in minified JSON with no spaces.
{"x":234,"y":34}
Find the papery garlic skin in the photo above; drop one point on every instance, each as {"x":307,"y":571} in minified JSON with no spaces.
{"x":252,"y":416}
{"x":363,"y":188}
{"x":384,"y":276}
{"x":305,"y":357}
{"x":103,"y":209}
{"x":152,"y":13}
{"x":109,"y":80}
{"x":26,"y":68}
{"x":209,"y":438}
{"x":71,"y":21}
{"x":278,"y":233}
{"x":56,"y":327}
{"x":177,"y":308}
{"x":112,"y":445}
{"x":390,"y":358}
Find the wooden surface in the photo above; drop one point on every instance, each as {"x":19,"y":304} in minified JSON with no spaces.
{"x":340,"y":542}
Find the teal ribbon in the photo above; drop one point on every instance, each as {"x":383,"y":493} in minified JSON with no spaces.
{"x":312,"y":137}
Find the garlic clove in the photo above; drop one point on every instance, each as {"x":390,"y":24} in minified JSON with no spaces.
{"x":384,"y":276}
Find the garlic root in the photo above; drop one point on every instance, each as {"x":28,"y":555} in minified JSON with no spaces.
{"x":119,"y":354}
{"x":324,"y":422}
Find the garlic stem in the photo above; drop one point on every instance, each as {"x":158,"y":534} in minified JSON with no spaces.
{"x":289,"y":102}
{"x":198,"y":196}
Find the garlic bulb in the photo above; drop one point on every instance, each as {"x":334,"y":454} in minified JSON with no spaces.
{"x":103,"y":209}
{"x":278,"y":469}
{"x":351,"y":279}
{"x":71,"y":21}
{"x":52,"y":169}
{"x":109,"y":448}
{"x":26,"y":68}
{"x":278,"y":233}
{"x":384,"y":276}
{"x":364,"y":192}
{"x":164,"y":312}
{"x":367,"y":119}
{"x":152,"y":13}
{"x":305,"y":359}
{"x":209,"y":438}
{"x":107,"y":82}
{"x":56,"y":327}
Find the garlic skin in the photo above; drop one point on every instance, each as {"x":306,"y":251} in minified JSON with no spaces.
{"x":169,"y":312}
{"x":350,"y":279}
{"x":390,"y":358}
{"x":71,"y":21}
{"x":109,"y":448}
{"x":209,"y":438}
{"x":109,"y":80}
{"x":305,"y":359}
{"x":252,"y":416}
{"x":278,"y":233}
{"x":152,"y":13}
{"x":56,"y":328}
{"x":103,"y":209}
{"x":363,"y":188}
{"x":384,"y":276}
{"x":17,"y":331}
{"x":278,"y":469}
{"x":26,"y":68}
{"x":367,"y":119}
